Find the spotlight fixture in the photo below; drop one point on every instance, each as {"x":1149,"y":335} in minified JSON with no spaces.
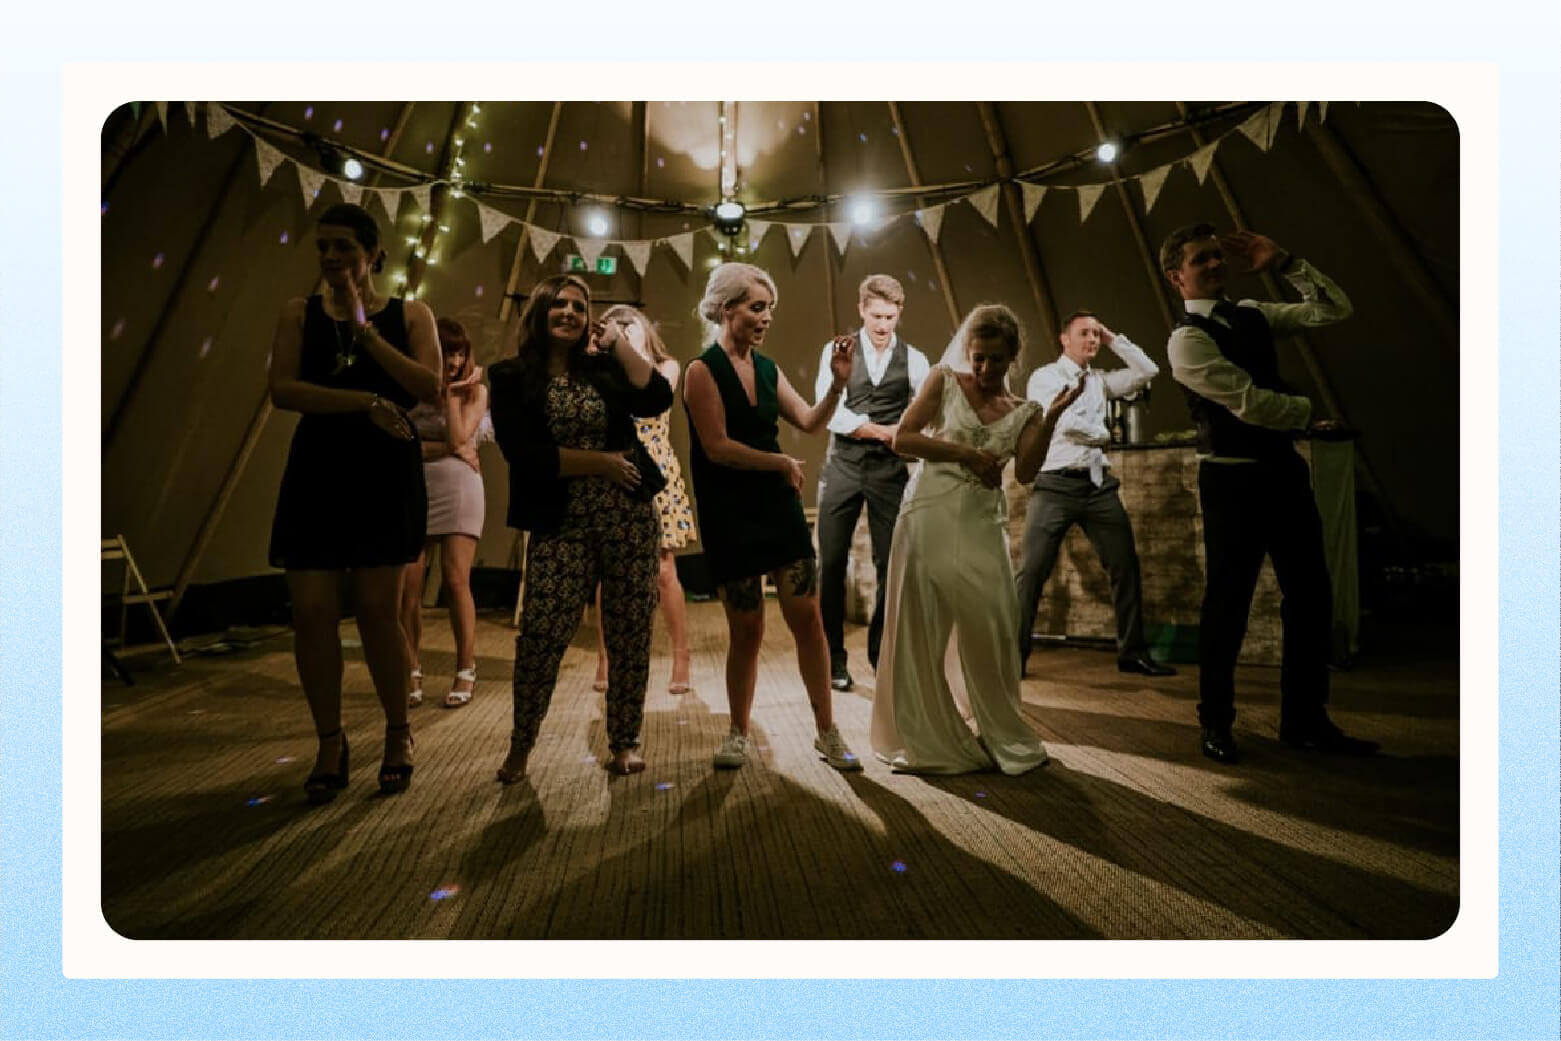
{"x":1108,"y":151}
{"x":351,"y":168}
{"x":728,"y":217}
{"x":333,"y":159}
{"x":596,"y":223}
{"x":862,"y":210}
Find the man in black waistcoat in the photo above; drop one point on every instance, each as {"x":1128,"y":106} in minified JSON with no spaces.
{"x":886,"y":373}
{"x":1254,"y":487}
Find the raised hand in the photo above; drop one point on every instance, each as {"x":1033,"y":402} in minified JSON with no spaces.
{"x":1106,"y":335}
{"x":463,"y":386}
{"x":1065,"y":397}
{"x":601,"y":338}
{"x":840,"y":358}
{"x":1255,"y":252}
{"x":354,"y":301}
{"x":390,"y":419}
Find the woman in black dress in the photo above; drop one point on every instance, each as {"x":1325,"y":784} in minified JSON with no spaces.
{"x":352,"y":361}
{"x":563,"y":414}
{"x":749,"y":498}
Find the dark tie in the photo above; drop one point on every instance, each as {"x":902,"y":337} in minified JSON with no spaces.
{"x":1226,"y":310}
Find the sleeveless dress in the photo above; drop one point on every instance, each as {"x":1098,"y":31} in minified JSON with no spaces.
{"x":950,"y":579}
{"x":750,"y":521}
{"x":677,"y":518}
{"x":455,"y":494}
{"x":351,"y":495}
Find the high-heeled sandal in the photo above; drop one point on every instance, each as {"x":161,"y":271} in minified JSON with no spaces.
{"x":394,"y":778}
{"x":415,"y":695}
{"x":514,"y":768}
{"x":674,"y":686}
{"x":457,"y":698}
{"x":322,"y":788}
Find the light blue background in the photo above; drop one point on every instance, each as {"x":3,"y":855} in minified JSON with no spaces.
{"x":35,"y":999}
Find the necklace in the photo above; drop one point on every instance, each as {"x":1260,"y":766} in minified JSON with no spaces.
{"x":346,"y":357}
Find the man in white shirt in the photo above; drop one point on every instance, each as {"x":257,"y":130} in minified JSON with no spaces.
{"x":861,"y":466}
{"x":1253,"y":486}
{"x":1077,"y":487}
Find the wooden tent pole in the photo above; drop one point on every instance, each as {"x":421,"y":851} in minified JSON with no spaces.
{"x":1302,"y":343}
{"x":257,"y":425}
{"x":642,"y":140}
{"x":165,"y":315}
{"x":117,"y":152}
{"x":1033,"y":271}
{"x":1402,"y":255}
{"x":829,"y":240}
{"x":1157,"y":283}
{"x":417,"y":263}
{"x":937,"y":251}
{"x":507,"y":304}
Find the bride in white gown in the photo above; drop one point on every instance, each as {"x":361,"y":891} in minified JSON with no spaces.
{"x":949,"y":569}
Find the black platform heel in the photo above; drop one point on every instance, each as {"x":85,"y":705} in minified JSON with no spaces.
{"x":322,"y":788}
{"x":397,"y":778}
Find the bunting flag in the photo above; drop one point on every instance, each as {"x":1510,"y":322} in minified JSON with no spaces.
{"x":218,"y":122}
{"x":757,"y":229}
{"x":840,"y":232}
{"x":931,"y":221}
{"x":1300,"y":113}
{"x":797,"y":235}
{"x":1089,"y":195}
{"x":683,"y":246}
{"x":311,"y":181}
{"x":493,"y":221}
{"x":421,"y":195}
{"x":1201,"y":160}
{"x":350,"y":192}
{"x":542,"y":242}
{"x":1262,"y":125}
{"x":985,"y":202}
{"x":1322,"y":111}
{"x":162,"y":114}
{"x":1152,"y":182}
{"x":268,"y":157}
{"x":638,"y":253}
{"x":590,"y":249}
{"x":189,"y":113}
{"x":1033,"y":193}
{"x":389,"y":200}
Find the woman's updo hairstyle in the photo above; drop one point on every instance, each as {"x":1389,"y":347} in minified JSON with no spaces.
{"x":727,"y":284}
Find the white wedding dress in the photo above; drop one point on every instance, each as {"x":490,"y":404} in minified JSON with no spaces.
{"x":950,"y":579}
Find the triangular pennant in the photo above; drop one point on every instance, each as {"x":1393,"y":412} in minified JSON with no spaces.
{"x":638,"y":253}
{"x":590,"y":249}
{"x":311,"y":181}
{"x":757,"y":229}
{"x":421,"y":195}
{"x":797,"y":235}
{"x":683,"y":246}
{"x":1033,"y":194}
{"x":218,"y":122}
{"x":493,"y":221}
{"x":1261,"y":126}
{"x":189,"y":112}
{"x":931,"y":221}
{"x":1089,"y":195}
{"x":389,"y":200}
{"x":985,"y":202}
{"x":162,"y":114}
{"x":542,"y":242}
{"x":350,"y":192}
{"x":1151,"y":183}
{"x":1300,"y":113}
{"x":840,"y":231}
{"x":1202,"y":159}
{"x":268,"y":157}
{"x":1322,"y":111}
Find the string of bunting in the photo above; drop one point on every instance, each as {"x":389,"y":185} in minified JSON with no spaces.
{"x":1261,"y":128}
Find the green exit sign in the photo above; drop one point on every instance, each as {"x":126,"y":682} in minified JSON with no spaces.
{"x":604,"y":265}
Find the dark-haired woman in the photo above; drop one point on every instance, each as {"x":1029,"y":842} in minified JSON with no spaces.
{"x":352,"y":361}
{"x":448,"y":432}
{"x":563,"y":414}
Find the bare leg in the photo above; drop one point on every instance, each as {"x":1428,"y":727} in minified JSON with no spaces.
{"x":600,"y":683}
{"x":744,"y":604}
{"x":412,"y":619}
{"x":317,"y":649}
{"x":456,"y":563}
{"x":798,"y":585}
{"x":374,"y":592}
{"x":676,"y":613}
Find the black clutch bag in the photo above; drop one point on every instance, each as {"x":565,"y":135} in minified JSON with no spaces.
{"x":652,"y":480}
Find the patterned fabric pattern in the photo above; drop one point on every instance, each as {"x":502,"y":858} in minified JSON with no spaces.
{"x":677,"y":517}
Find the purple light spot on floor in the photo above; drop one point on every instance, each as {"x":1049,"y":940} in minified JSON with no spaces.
{"x":583,"y":146}
{"x":981,"y":795}
{"x":309,"y":112}
{"x":336,"y":126}
{"x":444,"y":892}
{"x":285,"y":758}
{"x":257,"y":800}
{"x":682,"y":722}
{"x":588,"y":759}
{"x":119,"y":327}
{"x":216,"y":280}
{"x":898,"y":867}
{"x":157,"y":261}
{"x":197,"y":712}
{"x":802,"y":130}
{"x":478,"y":290}
{"x":664,"y":786}
{"x":283,"y":239}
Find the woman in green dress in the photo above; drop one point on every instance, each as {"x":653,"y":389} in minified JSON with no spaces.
{"x":749,"y":498}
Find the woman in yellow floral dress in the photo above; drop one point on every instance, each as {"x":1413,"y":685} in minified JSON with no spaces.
{"x":672,"y":507}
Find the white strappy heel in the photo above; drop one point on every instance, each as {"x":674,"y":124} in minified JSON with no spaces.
{"x":415,"y":695}
{"x":457,"y":698}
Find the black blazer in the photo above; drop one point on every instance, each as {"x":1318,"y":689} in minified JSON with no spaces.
{"x":517,"y":398}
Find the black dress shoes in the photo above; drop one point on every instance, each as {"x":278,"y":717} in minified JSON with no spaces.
{"x":1144,"y":665}
{"x":1219,"y":746}
{"x":840,"y":676}
{"x":1325,"y":736}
